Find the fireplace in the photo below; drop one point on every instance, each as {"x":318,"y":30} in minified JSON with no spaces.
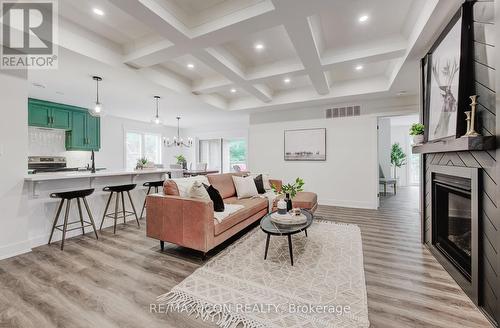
{"x":454,"y":198}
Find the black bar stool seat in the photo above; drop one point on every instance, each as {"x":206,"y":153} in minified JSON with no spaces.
{"x":119,"y":190}
{"x":68,"y":196}
{"x":150,"y":185}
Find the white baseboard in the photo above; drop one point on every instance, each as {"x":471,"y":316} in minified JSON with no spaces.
{"x":348,"y":203}
{"x":14,"y":249}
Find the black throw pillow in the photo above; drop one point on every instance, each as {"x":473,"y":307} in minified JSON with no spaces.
{"x":215,"y":197}
{"x":259,"y":183}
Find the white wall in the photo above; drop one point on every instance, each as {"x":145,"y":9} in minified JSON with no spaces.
{"x":349,"y":176}
{"x":13,"y":164}
{"x":384,"y":145}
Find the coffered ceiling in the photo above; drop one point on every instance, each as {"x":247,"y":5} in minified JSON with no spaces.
{"x":242,"y":55}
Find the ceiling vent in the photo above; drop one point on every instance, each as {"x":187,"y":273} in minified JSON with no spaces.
{"x":343,"y":111}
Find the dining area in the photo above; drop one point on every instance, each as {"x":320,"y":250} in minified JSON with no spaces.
{"x":191,"y":170}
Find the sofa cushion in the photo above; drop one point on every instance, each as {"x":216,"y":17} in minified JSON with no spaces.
{"x":223,"y":183}
{"x":252,"y":206}
{"x":259,"y":183}
{"x":245,"y":187}
{"x":216,"y":198}
{"x":183,"y":185}
{"x":170,"y":188}
{"x":303,"y":199}
{"x":198,"y":190}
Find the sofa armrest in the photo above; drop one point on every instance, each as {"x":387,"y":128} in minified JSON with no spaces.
{"x":276,"y":183}
{"x":183,"y":221}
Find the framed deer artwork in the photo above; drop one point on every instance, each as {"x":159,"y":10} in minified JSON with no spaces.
{"x":449,"y":78}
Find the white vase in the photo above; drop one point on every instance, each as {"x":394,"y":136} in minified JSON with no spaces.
{"x":418,"y":139}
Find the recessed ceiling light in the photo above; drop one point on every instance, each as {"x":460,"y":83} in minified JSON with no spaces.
{"x":358,"y":68}
{"x":233,"y":90}
{"x":363,"y":18}
{"x":286,"y":80}
{"x":98,"y":11}
{"x":190,"y":66}
{"x":259,"y":46}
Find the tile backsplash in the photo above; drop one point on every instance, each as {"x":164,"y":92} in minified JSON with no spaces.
{"x":46,"y":142}
{"x":51,"y":142}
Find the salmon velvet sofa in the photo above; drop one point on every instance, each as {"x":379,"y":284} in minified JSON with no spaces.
{"x":190,"y":222}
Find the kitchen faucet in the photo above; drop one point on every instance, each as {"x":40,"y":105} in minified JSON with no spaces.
{"x":92,"y":157}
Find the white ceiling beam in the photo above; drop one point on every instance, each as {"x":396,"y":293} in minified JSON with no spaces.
{"x":228,"y":28}
{"x":224,"y":64}
{"x":159,"y":19}
{"x":370,"y":53}
{"x":299,"y":30}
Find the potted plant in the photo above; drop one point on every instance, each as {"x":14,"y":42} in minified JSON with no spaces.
{"x":141,"y":163}
{"x":398,"y":157}
{"x":417,"y":131}
{"x":181,"y":160}
{"x":290,"y":191}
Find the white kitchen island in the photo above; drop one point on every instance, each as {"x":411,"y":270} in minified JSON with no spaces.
{"x":41,"y":209}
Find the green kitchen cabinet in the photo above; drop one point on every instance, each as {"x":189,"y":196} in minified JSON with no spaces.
{"x":46,"y":114}
{"x":61,"y":119}
{"x":93,"y":132}
{"x":84,"y":133}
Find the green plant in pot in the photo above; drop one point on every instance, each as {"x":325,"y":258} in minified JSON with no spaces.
{"x":141,"y":163}
{"x":290,"y":190}
{"x":417,"y":131}
{"x":181,"y":160}
{"x":398,"y":157}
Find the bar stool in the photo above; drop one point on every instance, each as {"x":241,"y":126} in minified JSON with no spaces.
{"x":119,"y":190}
{"x":68,"y":196}
{"x":150,"y":185}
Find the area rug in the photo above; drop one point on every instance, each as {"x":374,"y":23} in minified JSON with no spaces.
{"x":238,"y":288}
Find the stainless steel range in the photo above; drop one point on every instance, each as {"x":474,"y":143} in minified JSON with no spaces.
{"x":39,"y":164}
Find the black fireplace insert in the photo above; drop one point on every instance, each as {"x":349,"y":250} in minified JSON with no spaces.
{"x":455,"y":227}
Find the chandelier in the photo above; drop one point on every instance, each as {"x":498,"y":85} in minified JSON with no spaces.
{"x":178,"y":141}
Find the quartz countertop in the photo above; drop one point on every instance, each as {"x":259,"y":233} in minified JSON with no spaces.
{"x":88,"y":174}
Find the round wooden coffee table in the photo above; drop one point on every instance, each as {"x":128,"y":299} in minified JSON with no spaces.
{"x":274,"y":229}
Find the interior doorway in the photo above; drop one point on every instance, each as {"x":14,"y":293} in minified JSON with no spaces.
{"x":399,"y":168}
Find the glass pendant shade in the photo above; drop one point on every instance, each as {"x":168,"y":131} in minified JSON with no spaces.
{"x":156,"y":120}
{"x":97,"y":108}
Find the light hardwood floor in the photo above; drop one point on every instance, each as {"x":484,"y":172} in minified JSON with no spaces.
{"x":113,"y":281}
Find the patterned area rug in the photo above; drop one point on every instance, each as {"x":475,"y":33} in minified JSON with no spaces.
{"x":238,"y":288}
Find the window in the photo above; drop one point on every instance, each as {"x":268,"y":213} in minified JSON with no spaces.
{"x":235,"y":155}
{"x":139,"y":145}
{"x":223,"y":154}
{"x":210,"y":153}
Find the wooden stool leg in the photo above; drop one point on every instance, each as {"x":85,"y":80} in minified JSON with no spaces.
{"x":133,"y":208}
{"x":81,"y":214}
{"x":90,"y":217}
{"x":68,"y":203}
{"x":116,"y":210}
{"x":144,"y":205}
{"x":106,"y":209}
{"x":385,"y":189}
{"x":123,"y":209}
{"x":56,"y":219}
{"x":394,"y":188}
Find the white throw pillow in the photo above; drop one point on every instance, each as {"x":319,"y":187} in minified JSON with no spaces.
{"x":198,"y":190}
{"x":184,"y":184}
{"x":245,"y":187}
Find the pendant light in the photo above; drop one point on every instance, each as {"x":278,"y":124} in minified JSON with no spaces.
{"x":178,"y":141}
{"x":97,"y":109}
{"x":156,"y":118}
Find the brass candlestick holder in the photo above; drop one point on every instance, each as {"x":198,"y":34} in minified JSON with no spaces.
{"x":471,"y":119}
